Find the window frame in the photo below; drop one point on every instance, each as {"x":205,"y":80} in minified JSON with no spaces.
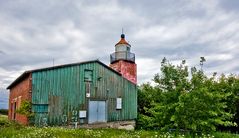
{"x":85,"y":77}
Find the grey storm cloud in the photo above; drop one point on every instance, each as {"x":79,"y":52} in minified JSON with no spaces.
{"x":1,"y":52}
{"x":34,"y":33}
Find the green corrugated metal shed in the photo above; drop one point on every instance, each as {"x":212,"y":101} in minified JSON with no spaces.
{"x":59,"y":93}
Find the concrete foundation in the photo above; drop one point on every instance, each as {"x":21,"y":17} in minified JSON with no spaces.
{"x":127,"y":125}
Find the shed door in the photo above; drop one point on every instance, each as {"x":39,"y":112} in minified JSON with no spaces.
{"x":97,"y":111}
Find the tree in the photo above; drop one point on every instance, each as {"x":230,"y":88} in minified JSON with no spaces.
{"x":146,"y":95}
{"x":201,"y":109}
{"x":229,"y":86}
{"x":195,"y":103}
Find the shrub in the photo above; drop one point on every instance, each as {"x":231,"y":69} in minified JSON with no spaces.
{"x":4,"y":111}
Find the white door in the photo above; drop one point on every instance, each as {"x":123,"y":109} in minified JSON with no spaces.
{"x":97,"y":111}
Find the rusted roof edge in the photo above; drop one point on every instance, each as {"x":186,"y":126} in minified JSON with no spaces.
{"x":23,"y":75}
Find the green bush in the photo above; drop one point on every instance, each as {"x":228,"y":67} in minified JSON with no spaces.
{"x":25,"y":108}
{"x":182,"y":102}
{"x":4,"y":111}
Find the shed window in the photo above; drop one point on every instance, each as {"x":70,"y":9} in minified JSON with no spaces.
{"x":88,"y":75}
{"x":118,"y":103}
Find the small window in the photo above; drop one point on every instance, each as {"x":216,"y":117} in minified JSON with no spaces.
{"x":88,"y":75}
{"x":118,"y":103}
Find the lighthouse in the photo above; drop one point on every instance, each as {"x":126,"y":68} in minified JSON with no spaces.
{"x":123,"y":61}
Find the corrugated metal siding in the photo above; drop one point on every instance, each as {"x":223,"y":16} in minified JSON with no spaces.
{"x":63,"y":90}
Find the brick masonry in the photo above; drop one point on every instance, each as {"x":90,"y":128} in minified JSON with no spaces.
{"x":21,"y":91}
{"x":127,"y":69}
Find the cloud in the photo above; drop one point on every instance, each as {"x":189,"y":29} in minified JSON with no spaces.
{"x":33,"y":33}
{"x":1,"y":52}
{"x":231,"y":6}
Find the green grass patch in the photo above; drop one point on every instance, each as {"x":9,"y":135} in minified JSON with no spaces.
{"x":10,"y":129}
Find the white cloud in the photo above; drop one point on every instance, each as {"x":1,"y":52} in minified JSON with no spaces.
{"x":34,"y":32}
{"x":147,"y":68}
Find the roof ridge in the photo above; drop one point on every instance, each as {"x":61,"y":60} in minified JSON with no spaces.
{"x":25,"y":73}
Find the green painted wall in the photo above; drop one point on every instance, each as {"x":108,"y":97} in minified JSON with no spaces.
{"x":58,"y":94}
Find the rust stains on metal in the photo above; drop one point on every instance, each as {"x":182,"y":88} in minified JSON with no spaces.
{"x":122,"y":41}
{"x":127,"y":69}
{"x":60,"y":93}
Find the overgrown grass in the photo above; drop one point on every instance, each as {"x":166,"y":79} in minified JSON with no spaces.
{"x":11,"y":129}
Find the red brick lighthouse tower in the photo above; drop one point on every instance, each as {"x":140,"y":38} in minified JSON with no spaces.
{"x":123,"y":61}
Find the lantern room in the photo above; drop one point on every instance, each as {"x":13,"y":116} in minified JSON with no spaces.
{"x":122,"y":51}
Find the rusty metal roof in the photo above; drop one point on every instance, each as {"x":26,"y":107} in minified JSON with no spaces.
{"x":26,"y":73}
{"x":122,"y":41}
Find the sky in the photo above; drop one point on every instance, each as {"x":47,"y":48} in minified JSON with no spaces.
{"x":34,"y":33}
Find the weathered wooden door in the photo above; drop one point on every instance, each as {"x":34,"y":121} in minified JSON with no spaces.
{"x":97,"y":111}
